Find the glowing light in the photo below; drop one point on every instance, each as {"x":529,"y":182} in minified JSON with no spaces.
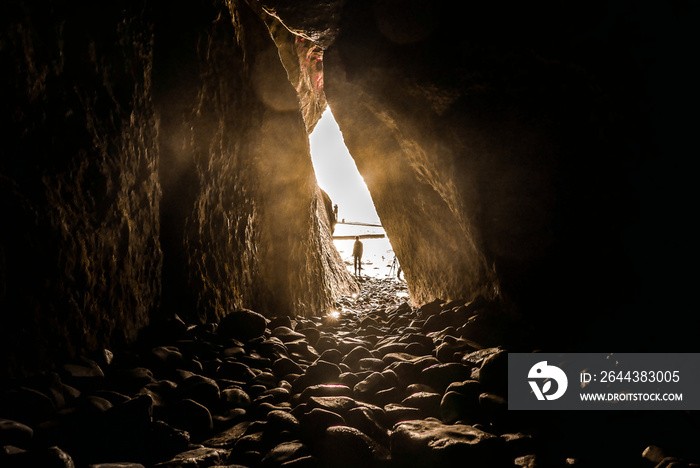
{"x":334,"y":314}
{"x":354,"y":296}
{"x":337,"y":173}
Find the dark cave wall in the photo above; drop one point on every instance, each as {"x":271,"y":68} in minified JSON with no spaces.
{"x":155,"y":162}
{"x":79,"y":249}
{"x":492,"y":132}
{"x":526,"y":149}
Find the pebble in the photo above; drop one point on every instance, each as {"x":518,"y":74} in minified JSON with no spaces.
{"x":345,"y":446}
{"x":427,"y":443}
{"x":385,"y":385}
{"x":242,"y":324}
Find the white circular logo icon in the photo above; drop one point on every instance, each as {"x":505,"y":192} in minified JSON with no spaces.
{"x":542,"y":372}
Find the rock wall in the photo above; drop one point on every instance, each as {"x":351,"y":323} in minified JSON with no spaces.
{"x":243,"y":219}
{"x":156,"y":162}
{"x":79,"y":250}
{"x":515,"y":150}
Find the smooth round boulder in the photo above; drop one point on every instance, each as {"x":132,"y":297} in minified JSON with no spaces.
{"x":242,"y":324}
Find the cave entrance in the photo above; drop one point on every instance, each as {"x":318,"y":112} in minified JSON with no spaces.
{"x":337,"y":175}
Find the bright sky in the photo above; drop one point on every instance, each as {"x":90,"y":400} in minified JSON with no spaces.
{"x":337,"y":173}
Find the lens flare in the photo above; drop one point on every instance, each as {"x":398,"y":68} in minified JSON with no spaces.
{"x":334,"y":314}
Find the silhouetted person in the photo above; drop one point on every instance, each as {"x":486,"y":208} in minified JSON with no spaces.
{"x":335,"y":211}
{"x":357,"y":255}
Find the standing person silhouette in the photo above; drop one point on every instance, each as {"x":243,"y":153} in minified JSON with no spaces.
{"x":357,"y":255}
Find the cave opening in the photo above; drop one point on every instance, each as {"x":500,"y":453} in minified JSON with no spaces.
{"x":354,"y":211}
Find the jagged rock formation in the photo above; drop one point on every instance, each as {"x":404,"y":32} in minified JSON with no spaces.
{"x":243,"y":218}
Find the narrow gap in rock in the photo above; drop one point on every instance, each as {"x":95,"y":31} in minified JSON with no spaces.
{"x":354,"y":216}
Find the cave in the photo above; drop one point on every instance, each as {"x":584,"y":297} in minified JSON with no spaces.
{"x":165,"y":234}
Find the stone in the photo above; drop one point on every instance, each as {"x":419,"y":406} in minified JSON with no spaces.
{"x":166,"y":358}
{"x":320,"y":372}
{"x":348,"y":379}
{"x":444,"y":319}
{"x":228,"y":418}
{"x":389,"y":348}
{"x":528,"y":461}
{"x":385,"y":396}
{"x":308,"y":461}
{"x":429,"y":443}
{"x":654,"y":454}
{"x":93,"y":406}
{"x":284,"y":452}
{"x":372,"y":363}
{"x":440,"y":376}
{"x":201,"y":456}
{"x":229,"y":437}
{"x":427,"y":402}
{"x":353,"y":357}
{"x":85,"y":374}
{"x":324,"y":343}
{"x":315,"y":422}
{"x":200,"y":389}
{"x":191,"y":416}
{"x":471,"y":388}
{"x":301,"y":350}
{"x":285,"y":366}
{"x":518,"y":444}
{"x":52,"y":457}
{"x":165,"y":441}
{"x":365,"y":420}
{"x":419,"y":349}
{"x":15,"y":433}
{"x":234,"y":370}
{"x":371,"y":385}
{"x":336,"y":404}
{"x":395,"y":413}
{"x":279,"y":421}
{"x":345,"y":446}
{"x":235,"y":397}
{"x":312,"y":335}
{"x":130,"y":381}
{"x":242,"y":324}
{"x":26,"y":405}
{"x":456,"y":406}
{"x":325,"y":390}
{"x":430,"y":308}
{"x":278,"y":394}
{"x":331,"y":355}
{"x":493,"y":373}
{"x":408,"y":372}
{"x":493,"y":403}
{"x":286,"y":334}
{"x":252,"y":441}
{"x":266,"y":379}
{"x":419,"y":338}
{"x":416,"y":388}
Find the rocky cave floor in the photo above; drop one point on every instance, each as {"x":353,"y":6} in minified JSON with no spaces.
{"x":379,"y":384}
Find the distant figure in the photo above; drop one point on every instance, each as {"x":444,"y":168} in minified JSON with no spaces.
{"x":357,"y":255}
{"x":335,"y":211}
